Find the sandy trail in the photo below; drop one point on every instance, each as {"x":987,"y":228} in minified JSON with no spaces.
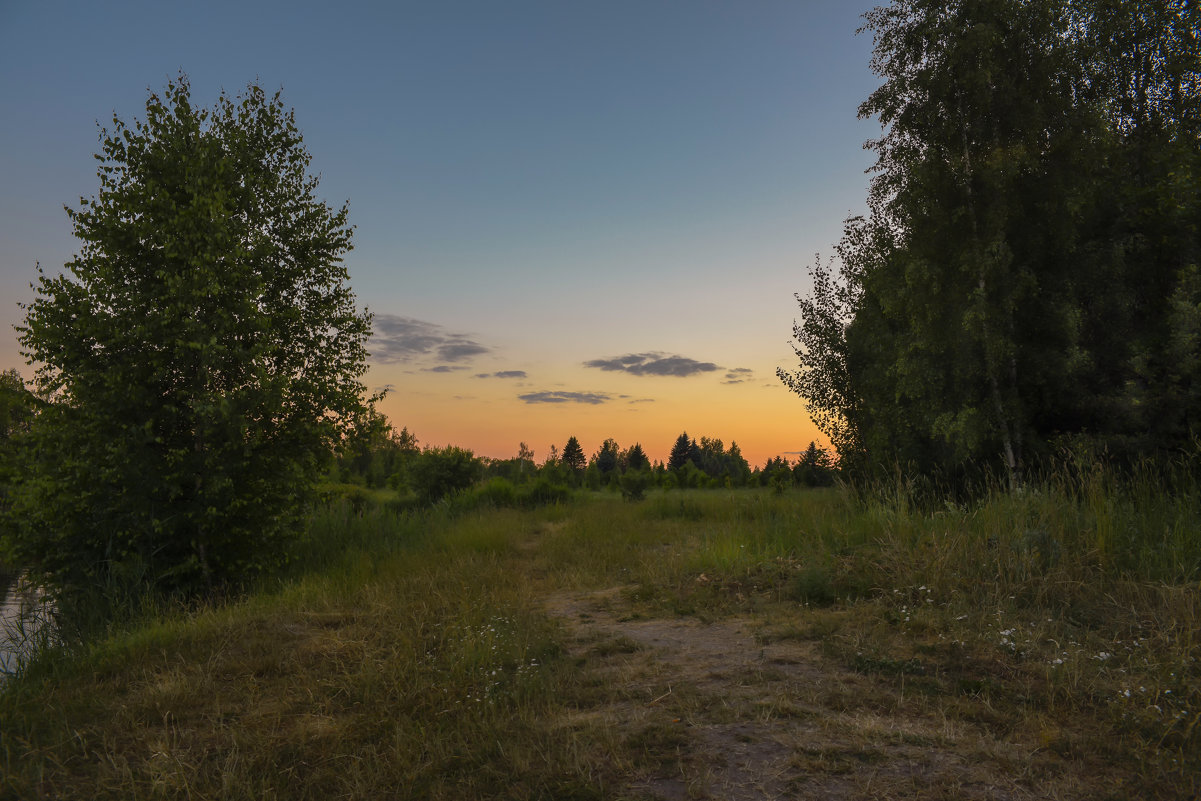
{"x":713,"y":711}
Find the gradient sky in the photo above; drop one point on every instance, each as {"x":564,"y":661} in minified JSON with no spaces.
{"x":572,"y":218}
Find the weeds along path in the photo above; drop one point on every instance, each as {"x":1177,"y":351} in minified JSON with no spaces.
{"x":690,"y":647}
{"x":728,"y":710}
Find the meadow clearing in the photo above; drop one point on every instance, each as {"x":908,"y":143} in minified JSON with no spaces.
{"x":726,"y":644}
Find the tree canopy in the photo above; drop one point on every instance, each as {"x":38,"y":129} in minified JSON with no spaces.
{"x":1025,"y":279}
{"x":202,"y":353}
{"x":573,"y":456}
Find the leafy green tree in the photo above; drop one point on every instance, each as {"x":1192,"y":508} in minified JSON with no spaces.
{"x":525,"y":460}
{"x":737,"y":468}
{"x":18,"y":408}
{"x":775,"y":473}
{"x":824,"y":378}
{"x":441,"y":472}
{"x":634,"y":483}
{"x":1016,"y":284}
{"x":203,"y":354}
{"x":18,"y":405}
{"x":607,"y":458}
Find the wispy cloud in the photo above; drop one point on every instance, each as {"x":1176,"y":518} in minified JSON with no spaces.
{"x":503,"y":374}
{"x":592,"y":398}
{"x":405,"y":339}
{"x":658,"y":364}
{"x":445,"y":368}
{"x":738,"y":375}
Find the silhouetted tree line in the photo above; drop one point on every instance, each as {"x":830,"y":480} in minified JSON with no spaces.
{"x":375,"y":456}
{"x":1026,"y":281}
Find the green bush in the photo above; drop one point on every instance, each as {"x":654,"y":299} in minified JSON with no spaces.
{"x":498,"y":492}
{"x":634,"y":484}
{"x":440,"y":472}
{"x":543,"y":493}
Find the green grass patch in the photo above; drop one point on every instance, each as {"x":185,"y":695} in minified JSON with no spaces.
{"x":412,"y":654}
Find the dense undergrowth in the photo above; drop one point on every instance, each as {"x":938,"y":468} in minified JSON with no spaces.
{"x":410,"y":654}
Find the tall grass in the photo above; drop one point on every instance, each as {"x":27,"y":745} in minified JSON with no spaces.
{"x":411,"y":655}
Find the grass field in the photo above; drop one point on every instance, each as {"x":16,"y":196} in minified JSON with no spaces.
{"x":701,"y":644}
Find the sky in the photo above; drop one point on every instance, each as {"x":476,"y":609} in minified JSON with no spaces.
{"x":572,"y":217}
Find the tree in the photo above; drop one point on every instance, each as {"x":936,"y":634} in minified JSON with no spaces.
{"x":606,"y":459}
{"x":823,"y":378}
{"x":203,"y":354}
{"x":737,"y":467}
{"x":635,"y":458}
{"x":440,"y":472}
{"x":815,"y":467}
{"x":573,"y":456}
{"x":1022,"y":278}
{"x":18,"y":409}
{"x":18,"y":406}
{"x":681,"y":453}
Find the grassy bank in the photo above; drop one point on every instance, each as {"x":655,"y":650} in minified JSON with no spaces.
{"x":424,"y":656}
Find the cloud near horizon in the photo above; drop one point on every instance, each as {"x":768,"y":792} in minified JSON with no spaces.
{"x":503,"y":374}
{"x":592,"y":398}
{"x":653,"y":363}
{"x":738,"y":375}
{"x":400,"y":339}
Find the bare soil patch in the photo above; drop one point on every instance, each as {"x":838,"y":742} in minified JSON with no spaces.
{"x":725,"y":710}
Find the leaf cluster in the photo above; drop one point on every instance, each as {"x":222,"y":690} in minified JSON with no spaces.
{"x":202,"y":351}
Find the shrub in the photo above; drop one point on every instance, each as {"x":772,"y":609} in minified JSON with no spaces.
{"x":498,"y":492}
{"x":440,"y":472}
{"x":543,"y":493}
{"x":634,"y":484}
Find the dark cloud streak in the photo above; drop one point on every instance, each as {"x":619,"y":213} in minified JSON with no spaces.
{"x":503,"y":374}
{"x":738,"y":375}
{"x":404,"y":339}
{"x":657,"y":364}
{"x":591,"y":398}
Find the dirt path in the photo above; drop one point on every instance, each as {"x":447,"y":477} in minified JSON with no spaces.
{"x":721,"y":711}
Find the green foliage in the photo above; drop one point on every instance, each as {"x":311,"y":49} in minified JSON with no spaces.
{"x":1026,"y":270}
{"x":202,"y":355}
{"x":544,"y":492}
{"x":443,"y":651}
{"x":372,"y":452}
{"x":634,"y":484}
{"x":634,"y":458}
{"x":681,"y":453}
{"x":440,"y":472}
{"x":815,"y":468}
{"x":607,"y":459}
{"x":498,"y":492}
{"x":18,"y":409}
{"x":573,"y":457}
{"x":707,"y":463}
